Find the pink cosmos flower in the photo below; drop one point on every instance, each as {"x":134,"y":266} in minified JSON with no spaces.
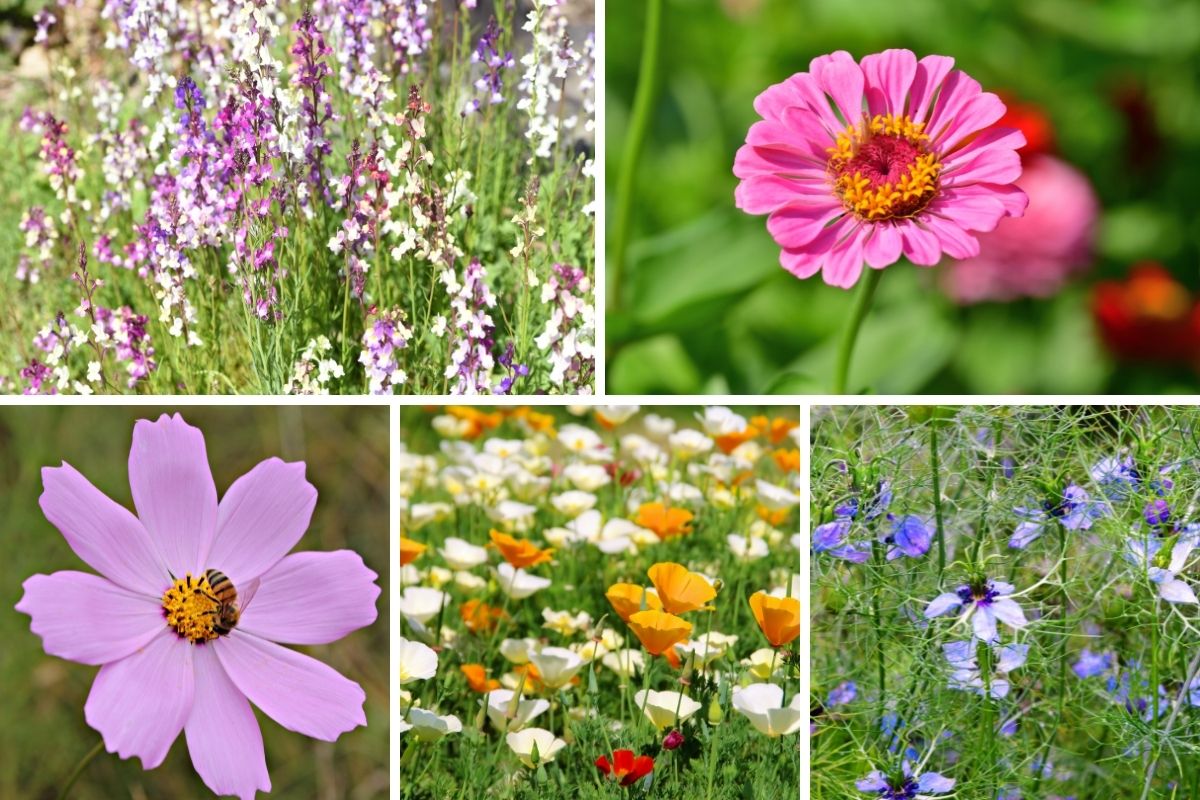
{"x":171,"y":657}
{"x":865,"y":163}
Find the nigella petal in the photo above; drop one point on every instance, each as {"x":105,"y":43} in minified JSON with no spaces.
{"x":1176,"y":591}
{"x":1008,"y":612}
{"x":942,"y":604}
{"x":1025,"y":533}
{"x":223,"y":736}
{"x":984,"y":622}
{"x":933,"y":782}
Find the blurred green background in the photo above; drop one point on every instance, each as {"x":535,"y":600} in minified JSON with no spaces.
{"x":707,"y":306}
{"x":42,"y":729}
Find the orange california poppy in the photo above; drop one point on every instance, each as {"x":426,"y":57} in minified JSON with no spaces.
{"x":627,"y":599}
{"x":787,"y":460}
{"x":780,"y":428}
{"x":533,"y":678}
{"x":731,"y":441}
{"x":534,"y":420}
{"x":477,"y":678}
{"x":773,"y":518}
{"x":519,"y":552}
{"x":672,"y":657}
{"x":779,"y":617}
{"x":479,"y":616}
{"x":479,"y":421}
{"x":409,"y":550}
{"x":659,"y":631}
{"x":664,"y":520}
{"x":680,"y":590}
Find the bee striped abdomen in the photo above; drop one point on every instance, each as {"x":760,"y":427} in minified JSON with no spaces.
{"x":225,"y":593}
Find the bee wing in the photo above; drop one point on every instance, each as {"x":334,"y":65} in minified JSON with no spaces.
{"x":245,"y":596}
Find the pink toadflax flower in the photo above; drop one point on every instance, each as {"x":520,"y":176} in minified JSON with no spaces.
{"x":176,"y":651}
{"x":865,"y":163}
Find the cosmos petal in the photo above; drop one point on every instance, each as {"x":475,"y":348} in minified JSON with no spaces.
{"x":340,"y":578}
{"x":85,"y":618}
{"x":140,"y":703}
{"x":173,"y":490}
{"x":297,"y":691}
{"x":222,"y":733}
{"x":103,"y":533}
{"x":261,"y":518}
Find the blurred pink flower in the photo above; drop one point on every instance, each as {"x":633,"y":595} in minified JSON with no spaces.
{"x":866,"y":162}
{"x":1033,"y":256}
{"x":169,"y":661}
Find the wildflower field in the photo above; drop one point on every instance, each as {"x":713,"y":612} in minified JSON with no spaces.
{"x":118,"y":686}
{"x":348,"y":196}
{"x":1004,"y":602}
{"x":823,"y":196}
{"x":600,"y":602}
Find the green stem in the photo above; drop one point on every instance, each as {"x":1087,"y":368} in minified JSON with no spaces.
{"x":862,"y":304}
{"x":79,"y":768}
{"x":937,"y":495}
{"x":639,"y":124}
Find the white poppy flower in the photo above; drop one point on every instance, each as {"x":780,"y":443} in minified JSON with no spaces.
{"x":499,"y":706}
{"x":776,"y":498}
{"x":626,"y":663}
{"x":565,"y":622}
{"x":747,"y":548}
{"x":660,"y":706}
{"x":430,"y":727}
{"x":615,"y":415}
{"x":556,"y":665}
{"x":689,"y":443}
{"x":518,"y":650}
{"x":522,"y":743}
{"x":573,"y":503}
{"x":586,"y":477}
{"x":721,"y":421}
{"x":461,"y":554}
{"x":422,"y":603}
{"x":760,"y":662}
{"x":417,"y":662}
{"x":517,"y":583}
{"x":762,"y":704}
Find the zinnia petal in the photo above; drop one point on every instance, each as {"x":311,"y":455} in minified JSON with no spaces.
{"x":173,"y":490}
{"x":140,"y":703}
{"x":104,"y":534}
{"x":85,"y":618}
{"x":223,"y":736}
{"x":262,"y":516}
{"x":299,"y":692}
{"x":345,"y":585}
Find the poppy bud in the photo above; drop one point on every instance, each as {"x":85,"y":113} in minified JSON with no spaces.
{"x":673,"y":740}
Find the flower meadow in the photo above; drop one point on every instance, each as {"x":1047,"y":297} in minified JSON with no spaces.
{"x":346,"y":196}
{"x":1004,"y":602}
{"x":600,"y":602}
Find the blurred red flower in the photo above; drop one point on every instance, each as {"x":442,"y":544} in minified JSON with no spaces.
{"x":1148,"y":317}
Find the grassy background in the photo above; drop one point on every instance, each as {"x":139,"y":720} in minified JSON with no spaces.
{"x":42,"y":730}
{"x":747,"y":766}
{"x":709,"y":309}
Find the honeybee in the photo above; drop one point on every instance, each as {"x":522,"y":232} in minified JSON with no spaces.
{"x":225,"y":596}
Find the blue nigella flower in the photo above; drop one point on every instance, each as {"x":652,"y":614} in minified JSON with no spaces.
{"x":1092,"y":664}
{"x":967,"y":674}
{"x":910,"y":536}
{"x":843,"y":695}
{"x":831,"y":538}
{"x":906,"y":786}
{"x":1075,"y":511}
{"x":983,"y":602}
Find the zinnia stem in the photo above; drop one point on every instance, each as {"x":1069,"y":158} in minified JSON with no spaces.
{"x":639,"y":123}
{"x":79,"y":768}
{"x":862,"y":304}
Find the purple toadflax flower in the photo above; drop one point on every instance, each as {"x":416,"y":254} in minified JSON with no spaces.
{"x":171,"y":658}
{"x":982,"y":601}
{"x":906,"y":785}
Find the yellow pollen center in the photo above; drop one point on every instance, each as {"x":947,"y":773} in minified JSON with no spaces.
{"x":882,"y":168}
{"x":190,"y":609}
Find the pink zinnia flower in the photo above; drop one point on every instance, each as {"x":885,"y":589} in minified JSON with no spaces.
{"x":865,"y":163}
{"x":172,"y":658}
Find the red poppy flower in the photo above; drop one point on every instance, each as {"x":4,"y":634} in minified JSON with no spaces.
{"x":1148,"y":317}
{"x":625,"y":767}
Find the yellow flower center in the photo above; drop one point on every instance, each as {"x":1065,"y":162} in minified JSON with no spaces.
{"x":882,"y":168}
{"x":192,"y":609}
